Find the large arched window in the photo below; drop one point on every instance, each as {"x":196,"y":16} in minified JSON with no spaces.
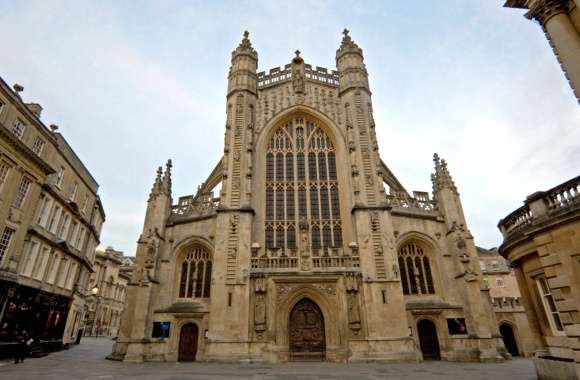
{"x":195,"y":274}
{"x":416,"y":276}
{"x":301,"y":185}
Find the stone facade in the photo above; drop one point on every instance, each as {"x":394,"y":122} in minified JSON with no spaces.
{"x":507,"y":304}
{"x":560,"y":21}
{"x":50,"y":222}
{"x":542,"y":241}
{"x":312,"y":249}
{"x":108,"y":291}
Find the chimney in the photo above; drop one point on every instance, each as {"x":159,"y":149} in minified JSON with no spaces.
{"x":35,"y":108}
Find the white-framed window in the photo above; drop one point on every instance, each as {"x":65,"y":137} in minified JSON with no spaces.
{"x":53,"y":268}
{"x":5,"y":240}
{"x":18,"y":128}
{"x":79,"y":238}
{"x":499,"y":282}
{"x":64,"y":227}
{"x":550,"y":306}
{"x":21,"y":192}
{"x":73,"y":193}
{"x":71,"y":276}
{"x":40,"y":268}
{"x":38,"y":145}
{"x":30,"y":259}
{"x":4,"y":169}
{"x":72,"y":232}
{"x":482,"y":265}
{"x":63,"y":272}
{"x":1,"y":106}
{"x":55,"y":218}
{"x":60,"y":176}
{"x":494,"y":265}
{"x":85,"y":204}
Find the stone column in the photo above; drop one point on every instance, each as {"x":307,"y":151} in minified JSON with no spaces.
{"x":563,"y":37}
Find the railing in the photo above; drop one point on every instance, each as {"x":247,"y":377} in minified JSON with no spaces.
{"x":189,"y":206}
{"x":284,"y":74}
{"x":542,"y":204}
{"x":279,"y":260}
{"x":420,"y":202}
{"x":331,"y":262}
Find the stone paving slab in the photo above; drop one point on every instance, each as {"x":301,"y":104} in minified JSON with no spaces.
{"x":87,"y":361}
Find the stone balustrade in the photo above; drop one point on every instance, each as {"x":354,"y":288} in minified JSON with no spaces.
{"x":283,"y":74}
{"x":542,"y":205}
{"x":281,"y":260}
{"x":418,"y":203}
{"x":194,"y":207}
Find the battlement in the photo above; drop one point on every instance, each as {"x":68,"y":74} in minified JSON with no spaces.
{"x":278,"y":75}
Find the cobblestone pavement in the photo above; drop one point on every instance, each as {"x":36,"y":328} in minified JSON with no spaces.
{"x":87,"y":361}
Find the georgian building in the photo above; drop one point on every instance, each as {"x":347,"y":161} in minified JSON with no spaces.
{"x":108,"y":290}
{"x":514,"y":327}
{"x":560,"y":22}
{"x":542,"y":241}
{"x":50,"y":221}
{"x":312,"y":249}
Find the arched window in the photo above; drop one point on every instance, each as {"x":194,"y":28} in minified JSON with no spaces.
{"x":301,"y":184}
{"x":195,"y":274}
{"x":416,"y":277}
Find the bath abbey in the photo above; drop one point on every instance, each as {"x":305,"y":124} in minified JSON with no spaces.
{"x":302,"y":244}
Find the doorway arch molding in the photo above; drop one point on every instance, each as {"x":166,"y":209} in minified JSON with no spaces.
{"x":325,"y":297}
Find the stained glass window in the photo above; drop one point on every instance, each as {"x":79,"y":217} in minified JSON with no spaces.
{"x":416,"y":276}
{"x":195,"y":276}
{"x":301,"y":183}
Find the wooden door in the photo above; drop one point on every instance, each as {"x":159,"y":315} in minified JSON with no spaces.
{"x":428,"y":340}
{"x":306,"y":328}
{"x":509,"y":339}
{"x":188,"y":342}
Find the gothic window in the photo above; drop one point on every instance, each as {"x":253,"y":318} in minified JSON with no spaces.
{"x":195,"y":274}
{"x":415,"y":269}
{"x":301,"y":184}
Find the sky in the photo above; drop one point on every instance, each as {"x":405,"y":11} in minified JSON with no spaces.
{"x":131,"y":84}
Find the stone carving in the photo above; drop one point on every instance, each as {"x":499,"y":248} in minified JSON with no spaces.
{"x":260,"y":306}
{"x":298,"y":82}
{"x":354,"y":322}
{"x":542,"y":11}
{"x":375,"y":221}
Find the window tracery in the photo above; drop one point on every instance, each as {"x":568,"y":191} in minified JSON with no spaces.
{"x":415,"y":269}
{"x":195,"y":274}
{"x":301,"y":184}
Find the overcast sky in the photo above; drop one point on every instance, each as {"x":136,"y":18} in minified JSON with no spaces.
{"x":133,"y":83}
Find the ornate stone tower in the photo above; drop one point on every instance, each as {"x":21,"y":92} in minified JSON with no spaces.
{"x":305,"y":254}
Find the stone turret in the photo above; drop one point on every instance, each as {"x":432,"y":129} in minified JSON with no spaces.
{"x":144,"y":284}
{"x":242,"y":75}
{"x":461,"y":249}
{"x":350,"y":64}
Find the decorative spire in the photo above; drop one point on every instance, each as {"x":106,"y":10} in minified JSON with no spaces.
{"x":441,"y":178}
{"x":245,"y":47}
{"x":348,"y":44}
{"x":156,"y":189}
{"x":166,"y":183}
{"x":298,"y":59}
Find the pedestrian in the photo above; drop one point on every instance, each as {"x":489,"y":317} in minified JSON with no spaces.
{"x":21,"y":348}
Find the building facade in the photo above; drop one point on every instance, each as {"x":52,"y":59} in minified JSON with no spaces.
{"x":108,"y":290}
{"x":508,"y":307}
{"x":312,"y":249}
{"x":50,"y":221}
{"x":560,"y":21}
{"x":542,"y":241}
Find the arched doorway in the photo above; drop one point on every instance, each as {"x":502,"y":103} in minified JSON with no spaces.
{"x":188,"y":342}
{"x":306,"y":329}
{"x":509,"y":339}
{"x":428,"y":340}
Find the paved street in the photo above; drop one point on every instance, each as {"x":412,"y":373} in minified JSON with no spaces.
{"x":87,"y":361}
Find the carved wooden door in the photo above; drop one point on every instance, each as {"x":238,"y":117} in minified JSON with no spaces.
{"x":306,"y":328}
{"x":188,"y":342}
{"x":428,"y":340}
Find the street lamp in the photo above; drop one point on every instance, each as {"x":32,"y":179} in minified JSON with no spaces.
{"x":95,"y":291}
